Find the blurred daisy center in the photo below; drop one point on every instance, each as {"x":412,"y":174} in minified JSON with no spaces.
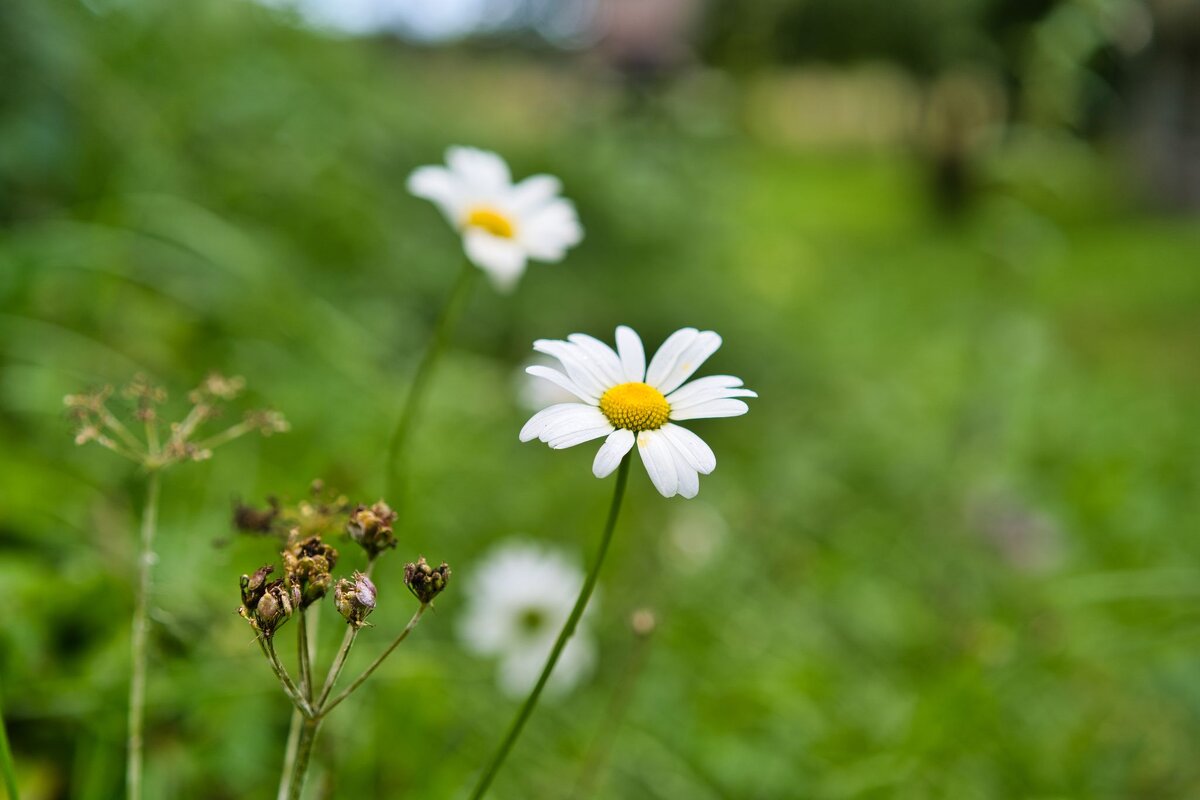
{"x":531,"y":620}
{"x":490,"y":220}
{"x":635,"y":406}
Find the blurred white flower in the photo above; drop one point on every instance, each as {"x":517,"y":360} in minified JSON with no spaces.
{"x":503,"y":224}
{"x":518,"y":599}
{"x":627,"y":401}
{"x":533,"y":393}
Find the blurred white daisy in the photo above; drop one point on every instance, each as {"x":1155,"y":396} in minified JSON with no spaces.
{"x":519,"y":598}
{"x":503,"y":224}
{"x":627,"y":401}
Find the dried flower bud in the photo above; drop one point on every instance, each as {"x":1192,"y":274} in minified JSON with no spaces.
{"x":424,"y":581}
{"x":217,"y":387}
{"x":371,"y":527}
{"x":266,"y":606}
{"x":267,"y":421}
{"x":249,"y":519}
{"x":308,"y":563}
{"x":355,"y":599}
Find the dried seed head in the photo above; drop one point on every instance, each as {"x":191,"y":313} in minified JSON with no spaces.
{"x":371,"y":527}
{"x":424,"y":581}
{"x":217,"y":387}
{"x":355,"y":599}
{"x":249,"y":519}
{"x":308,"y":563}
{"x":265,"y":605}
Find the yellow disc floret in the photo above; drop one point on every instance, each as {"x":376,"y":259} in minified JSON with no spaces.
{"x":490,"y":220}
{"x":635,"y":406}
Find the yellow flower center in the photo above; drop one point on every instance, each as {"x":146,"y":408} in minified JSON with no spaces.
{"x":635,"y":406}
{"x":490,"y":220}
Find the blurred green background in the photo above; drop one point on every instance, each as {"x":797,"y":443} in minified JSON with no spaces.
{"x":951,"y":552}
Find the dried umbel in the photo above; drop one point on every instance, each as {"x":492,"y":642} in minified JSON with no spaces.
{"x":424,"y":581}
{"x":248,"y":519}
{"x":97,"y":423}
{"x":307,"y":563}
{"x":267,"y":605}
{"x":371,"y":527}
{"x":355,"y":599}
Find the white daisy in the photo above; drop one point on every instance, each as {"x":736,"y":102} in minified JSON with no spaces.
{"x":519,"y":599}
{"x":627,"y":401}
{"x":502,"y":224}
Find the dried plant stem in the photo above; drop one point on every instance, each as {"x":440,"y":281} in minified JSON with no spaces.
{"x":336,"y":669}
{"x":585,"y":593}
{"x":7,"y":768}
{"x":139,"y":638}
{"x":267,"y":644}
{"x":302,"y":655}
{"x":412,"y":623}
{"x":442,"y":328}
{"x":289,"y":755}
{"x":308,"y":738}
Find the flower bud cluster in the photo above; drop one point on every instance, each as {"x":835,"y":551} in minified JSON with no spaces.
{"x":308,"y":563}
{"x":371,"y":528}
{"x":355,"y":599}
{"x":267,"y":605}
{"x":424,"y":581}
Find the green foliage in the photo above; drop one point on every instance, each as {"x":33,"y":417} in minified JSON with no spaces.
{"x":947,"y":553}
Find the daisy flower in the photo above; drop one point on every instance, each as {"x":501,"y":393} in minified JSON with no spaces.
{"x":520,"y":597}
{"x":502,"y":224}
{"x":626,"y":401}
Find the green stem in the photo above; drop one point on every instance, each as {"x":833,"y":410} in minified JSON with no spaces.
{"x":267,"y":643}
{"x":308,"y":738}
{"x":140,"y":635}
{"x":437,"y":343}
{"x":568,"y":629}
{"x":302,"y":655}
{"x":412,"y":623}
{"x":289,"y":755}
{"x":7,"y":767}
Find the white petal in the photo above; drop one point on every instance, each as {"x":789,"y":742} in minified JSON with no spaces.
{"x":533,"y":193}
{"x":615,"y":447}
{"x":440,"y":186}
{"x":557,"y":378}
{"x":705,"y":395}
{"x":704,"y":345}
{"x":579,"y":437}
{"x":711,"y":409}
{"x":502,"y":259}
{"x":632,"y":354}
{"x":574,"y":427}
{"x":659,"y":461}
{"x":533,"y":428}
{"x":694,"y":450}
{"x":664,"y":360}
{"x":480,"y":169}
{"x":577,"y":363}
{"x":601,"y":354}
{"x":547,"y":233}
{"x":689,"y":481}
{"x":708,"y":382}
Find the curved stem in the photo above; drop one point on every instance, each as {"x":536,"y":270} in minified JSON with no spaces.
{"x":412,"y":623}
{"x":140,"y":632}
{"x":268,"y":647}
{"x":581,"y":602}
{"x":336,"y":669}
{"x":7,"y":768}
{"x":441,"y":333}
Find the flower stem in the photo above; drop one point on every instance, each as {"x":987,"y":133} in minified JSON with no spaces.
{"x":302,"y":655}
{"x":437,"y":343}
{"x":7,"y":768}
{"x":568,"y":629}
{"x":267,"y":644}
{"x":140,"y":632}
{"x":412,"y":623}
{"x":308,"y":738}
